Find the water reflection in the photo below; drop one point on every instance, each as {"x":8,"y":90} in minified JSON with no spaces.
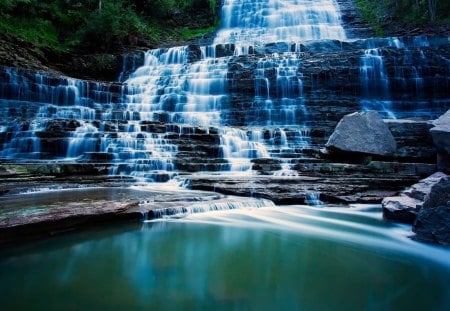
{"x":272,"y":258}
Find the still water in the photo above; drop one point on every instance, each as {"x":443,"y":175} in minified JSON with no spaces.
{"x":276,"y":258}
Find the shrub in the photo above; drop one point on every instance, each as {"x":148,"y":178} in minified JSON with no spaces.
{"x":113,"y":23}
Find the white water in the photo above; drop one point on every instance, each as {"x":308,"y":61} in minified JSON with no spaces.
{"x":249,"y":22}
{"x":230,"y":203}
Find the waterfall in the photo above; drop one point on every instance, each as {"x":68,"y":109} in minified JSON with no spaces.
{"x":390,"y":92}
{"x":374,"y":83}
{"x":278,"y":88}
{"x":219,"y":205}
{"x":266,"y":91}
{"x":247,"y":22}
{"x":169,"y":88}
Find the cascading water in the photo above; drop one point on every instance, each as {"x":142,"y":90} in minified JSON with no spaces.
{"x":374,"y":83}
{"x":397,"y":89}
{"x":41,"y":110}
{"x":170,"y":88}
{"x":246,"y":23}
{"x":248,"y":96}
{"x":278,"y":89}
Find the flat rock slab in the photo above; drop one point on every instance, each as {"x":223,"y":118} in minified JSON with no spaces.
{"x":39,"y":214}
{"x":362,"y":132}
{"x":296,"y":189}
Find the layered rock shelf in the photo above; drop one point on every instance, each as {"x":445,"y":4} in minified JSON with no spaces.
{"x":55,"y":211}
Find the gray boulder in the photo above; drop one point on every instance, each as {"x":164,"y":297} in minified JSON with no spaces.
{"x":441,"y":138}
{"x":433,"y":225}
{"x":362,"y":132}
{"x":429,"y":192}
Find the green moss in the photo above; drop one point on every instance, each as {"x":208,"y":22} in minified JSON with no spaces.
{"x":189,"y":34}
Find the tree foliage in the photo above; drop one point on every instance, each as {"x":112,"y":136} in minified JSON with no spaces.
{"x":405,"y":11}
{"x":93,"y":24}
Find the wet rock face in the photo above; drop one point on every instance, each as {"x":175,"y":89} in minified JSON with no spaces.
{"x":362,"y":132}
{"x":433,"y":225}
{"x":413,"y":139}
{"x":355,"y":25}
{"x":430,"y":192}
{"x":441,"y":138}
{"x":439,"y":194}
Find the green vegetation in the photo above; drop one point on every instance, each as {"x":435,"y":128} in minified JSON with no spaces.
{"x":415,"y":12}
{"x":96,"y":25}
{"x":189,"y":34}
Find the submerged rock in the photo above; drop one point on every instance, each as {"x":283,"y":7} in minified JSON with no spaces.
{"x":428,"y":193}
{"x":362,"y":132}
{"x":441,"y":138}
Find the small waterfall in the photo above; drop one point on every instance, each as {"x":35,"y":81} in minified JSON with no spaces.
{"x":375,"y":83}
{"x":279,"y":91}
{"x":238,"y":147}
{"x":408,"y":75}
{"x":56,"y":106}
{"x":146,"y":156}
{"x":286,"y":171}
{"x":169,"y":89}
{"x":24,"y":142}
{"x":224,"y":205}
{"x":84,"y":140}
{"x":399,"y":88}
{"x":313,"y":199}
{"x":279,"y":102}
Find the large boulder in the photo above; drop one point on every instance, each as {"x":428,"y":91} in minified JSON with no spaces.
{"x":433,"y":225}
{"x":441,"y":138}
{"x":429,"y":192}
{"x":362,"y":132}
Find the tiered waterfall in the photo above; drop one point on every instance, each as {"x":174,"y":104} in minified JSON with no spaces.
{"x":269,"y":90}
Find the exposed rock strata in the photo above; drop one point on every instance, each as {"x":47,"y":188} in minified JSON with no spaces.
{"x":355,"y":26}
{"x":333,"y":182}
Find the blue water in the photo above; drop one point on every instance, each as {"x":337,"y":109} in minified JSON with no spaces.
{"x":278,"y":258}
